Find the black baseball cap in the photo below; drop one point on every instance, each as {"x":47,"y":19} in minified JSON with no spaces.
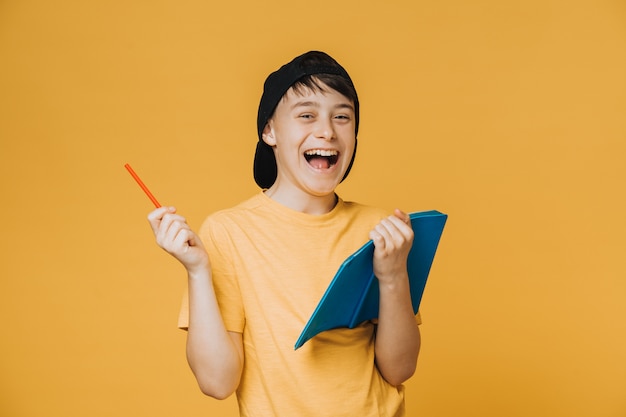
{"x":275,"y":87}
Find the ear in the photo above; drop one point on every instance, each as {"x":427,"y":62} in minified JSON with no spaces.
{"x":268,"y":134}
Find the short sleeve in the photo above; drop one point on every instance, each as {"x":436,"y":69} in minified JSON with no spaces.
{"x":219,"y":247}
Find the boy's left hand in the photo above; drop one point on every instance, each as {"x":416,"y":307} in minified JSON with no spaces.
{"x":393,"y":238}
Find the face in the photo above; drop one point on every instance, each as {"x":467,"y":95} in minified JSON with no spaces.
{"x":313,"y":137}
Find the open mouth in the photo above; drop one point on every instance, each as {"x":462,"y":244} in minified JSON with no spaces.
{"x":321,"y":159}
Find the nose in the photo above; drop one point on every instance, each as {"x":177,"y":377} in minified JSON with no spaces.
{"x":325,"y":129}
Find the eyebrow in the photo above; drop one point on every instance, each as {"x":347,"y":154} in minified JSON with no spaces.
{"x":306,"y":103}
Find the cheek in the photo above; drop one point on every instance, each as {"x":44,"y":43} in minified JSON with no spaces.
{"x":350,"y":145}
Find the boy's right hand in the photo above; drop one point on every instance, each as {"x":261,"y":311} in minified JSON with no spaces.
{"x":174,"y":235}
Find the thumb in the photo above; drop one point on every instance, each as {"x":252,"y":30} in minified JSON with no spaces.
{"x":402,"y":216}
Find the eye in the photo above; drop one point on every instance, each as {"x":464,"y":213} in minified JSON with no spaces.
{"x":306,"y":116}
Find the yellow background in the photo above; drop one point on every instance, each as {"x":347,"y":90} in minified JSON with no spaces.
{"x":507,"y":115}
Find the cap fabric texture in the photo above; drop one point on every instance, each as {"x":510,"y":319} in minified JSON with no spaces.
{"x":275,"y":87}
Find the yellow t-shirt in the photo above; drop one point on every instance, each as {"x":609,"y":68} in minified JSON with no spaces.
{"x":271,"y":266}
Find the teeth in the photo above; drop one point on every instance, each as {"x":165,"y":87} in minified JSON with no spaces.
{"x":320,"y":152}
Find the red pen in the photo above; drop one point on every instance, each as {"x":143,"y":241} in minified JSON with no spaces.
{"x":143,"y":186}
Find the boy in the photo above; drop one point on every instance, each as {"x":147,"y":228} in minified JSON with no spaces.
{"x":257,"y":271}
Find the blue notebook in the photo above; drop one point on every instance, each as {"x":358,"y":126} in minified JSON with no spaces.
{"x":352,"y":296}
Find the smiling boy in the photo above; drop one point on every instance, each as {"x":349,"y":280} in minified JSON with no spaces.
{"x":256,"y":271}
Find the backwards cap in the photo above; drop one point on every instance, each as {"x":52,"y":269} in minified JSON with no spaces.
{"x":275,"y":87}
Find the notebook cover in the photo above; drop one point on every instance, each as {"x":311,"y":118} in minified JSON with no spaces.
{"x":352,"y":296}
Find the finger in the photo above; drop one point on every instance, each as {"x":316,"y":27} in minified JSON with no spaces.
{"x":155,"y":216}
{"x":378,"y":239}
{"x":401,"y":226}
{"x":174,"y":228}
{"x":396,"y":232}
{"x":384,"y":229}
{"x":182,"y":239}
{"x":168,"y":229}
{"x":169,"y":219}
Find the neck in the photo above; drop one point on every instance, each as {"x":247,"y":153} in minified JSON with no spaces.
{"x":304,"y":203}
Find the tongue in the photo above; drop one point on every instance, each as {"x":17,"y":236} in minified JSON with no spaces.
{"x":319,"y":162}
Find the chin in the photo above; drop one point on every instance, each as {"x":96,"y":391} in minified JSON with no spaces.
{"x":323,"y":188}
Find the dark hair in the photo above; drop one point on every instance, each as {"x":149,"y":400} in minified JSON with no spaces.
{"x":316,"y":82}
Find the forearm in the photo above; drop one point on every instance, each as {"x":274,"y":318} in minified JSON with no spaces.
{"x":214,"y":355}
{"x":397,"y":336}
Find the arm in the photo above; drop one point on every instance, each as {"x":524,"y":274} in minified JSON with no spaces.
{"x":215,"y":355}
{"x":397,"y":342}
